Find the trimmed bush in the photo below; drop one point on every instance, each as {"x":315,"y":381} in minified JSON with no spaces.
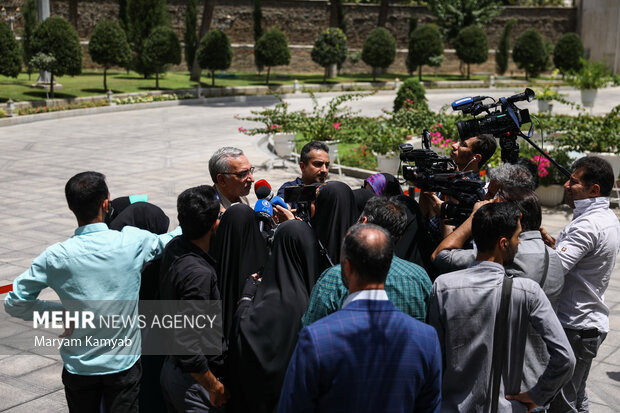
{"x":108,"y":47}
{"x":272,"y":50}
{"x":567,"y":52}
{"x":190,"y":38}
{"x":57,"y":38}
{"x":424,"y":44}
{"x":143,"y":16}
{"x":411,"y":92}
{"x":503,"y":48}
{"x":257,"y":17}
{"x":472,"y":46}
{"x":214,"y":52}
{"x":30,"y":25}
{"x":10,"y":58}
{"x":330,"y":48}
{"x":530,"y":54}
{"x":379,"y":50}
{"x":161,"y":49}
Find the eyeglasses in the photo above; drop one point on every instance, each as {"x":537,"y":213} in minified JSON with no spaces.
{"x":240,"y":174}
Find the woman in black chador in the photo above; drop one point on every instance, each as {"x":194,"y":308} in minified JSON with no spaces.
{"x":335,"y":212}
{"x":266,"y":325}
{"x":240,"y":250}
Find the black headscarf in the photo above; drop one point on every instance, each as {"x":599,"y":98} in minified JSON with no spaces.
{"x":149,"y":217}
{"x":266,"y":330}
{"x":362,"y":195}
{"x":392,"y":186}
{"x":240,"y":250}
{"x":335,"y":212}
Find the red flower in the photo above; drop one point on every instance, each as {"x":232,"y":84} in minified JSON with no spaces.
{"x":336,"y":125}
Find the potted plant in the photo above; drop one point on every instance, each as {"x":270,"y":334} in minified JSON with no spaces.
{"x":551,"y":180}
{"x":547,"y":94}
{"x":383,"y":138}
{"x":591,"y":77}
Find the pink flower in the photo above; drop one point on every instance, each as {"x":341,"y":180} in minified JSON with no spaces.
{"x":336,"y":125}
{"x":439,"y":125}
{"x":242,"y":129}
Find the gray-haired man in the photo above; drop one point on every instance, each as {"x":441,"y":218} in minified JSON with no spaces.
{"x":232,"y":175}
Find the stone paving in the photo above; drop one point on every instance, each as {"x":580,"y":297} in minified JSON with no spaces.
{"x":161,"y":152}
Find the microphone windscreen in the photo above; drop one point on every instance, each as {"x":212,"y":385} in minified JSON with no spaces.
{"x":261,"y":182}
{"x":263,"y":206}
{"x":276,"y":200}
{"x":262,"y":191}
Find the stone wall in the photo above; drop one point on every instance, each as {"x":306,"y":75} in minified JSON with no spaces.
{"x":302,"y":21}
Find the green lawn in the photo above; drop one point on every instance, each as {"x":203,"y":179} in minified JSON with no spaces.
{"x":91,"y":82}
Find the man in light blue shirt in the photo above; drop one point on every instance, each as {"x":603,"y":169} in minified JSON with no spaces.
{"x":95,"y":268}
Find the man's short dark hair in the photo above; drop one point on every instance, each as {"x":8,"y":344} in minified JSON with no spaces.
{"x":198,"y":208}
{"x":596,"y":171}
{"x":485,"y":145}
{"x":304,"y":156}
{"x":388,"y":213}
{"x":85,"y":192}
{"x":529,"y":205}
{"x":492,"y":222}
{"x":370,"y":262}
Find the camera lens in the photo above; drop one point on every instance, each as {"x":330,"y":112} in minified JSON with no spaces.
{"x":467,"y":128}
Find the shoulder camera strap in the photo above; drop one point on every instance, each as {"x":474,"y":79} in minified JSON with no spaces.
{"x":500,"y":339}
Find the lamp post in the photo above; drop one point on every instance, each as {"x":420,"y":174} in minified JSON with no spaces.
{"x":10,"y":18}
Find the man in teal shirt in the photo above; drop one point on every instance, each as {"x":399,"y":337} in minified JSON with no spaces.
{"x":407,"y":285}
{"x":96,"y":270}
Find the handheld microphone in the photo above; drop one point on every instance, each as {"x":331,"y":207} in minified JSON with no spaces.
{"x":264,"y":213}
{"x":262,"y":189}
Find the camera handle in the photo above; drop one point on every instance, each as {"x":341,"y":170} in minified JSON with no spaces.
{"x":529,"y":140}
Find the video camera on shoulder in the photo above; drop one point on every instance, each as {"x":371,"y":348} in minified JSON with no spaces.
{"x":300,"y":195}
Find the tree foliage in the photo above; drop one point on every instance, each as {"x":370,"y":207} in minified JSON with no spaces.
{"x":215,"y":52}
{"x":330,"y":48}
{"x":567,"y":53}
{"x":30,"y":14}
{"x":143,"y":17}
{"x":108,"y":47}
{"x":161,"y":49}
{"x":10,"y":58}
{"x":379,"y":50}
{"x":455,"y":15}
{"x":257,"y":16}
{"x":411,"y":92}
{"x":503,"y":48}
{"x":123,"y":15}
{"x":190,"y":37}
{"x":424,"y":44}
{"x":272,"y":49}
{"x":472,"y":46}
{"x":530,"y":54}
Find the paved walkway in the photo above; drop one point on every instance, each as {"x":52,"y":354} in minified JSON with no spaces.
{"x":162,"y":152}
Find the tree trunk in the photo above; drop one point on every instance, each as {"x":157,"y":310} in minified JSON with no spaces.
{"x":52,"y":85}
{"x":333,"y":13}
{"x":207,"y":15}
{"x":374,"y":74}
{"x":325,"y":75}
{"x":212,"y":78}
{"x":383,"y":13}
{"x":156,"y":80}
{"x":420,"y":73}
{"x":468,"y":72}
{"x":268,"y":72}
{"x":73,"y":13}
{"x":105,"y":79}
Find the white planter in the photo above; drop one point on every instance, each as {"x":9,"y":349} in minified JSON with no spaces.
{"x":545,"y":106}
{"x":388,"y":163}
{"x":283,"y":144}
{"x":588,"y":96}
{"x":612,"y":158}
{"x":551,"y":195}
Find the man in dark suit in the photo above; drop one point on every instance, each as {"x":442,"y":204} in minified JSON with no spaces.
{"x":368,"y":356}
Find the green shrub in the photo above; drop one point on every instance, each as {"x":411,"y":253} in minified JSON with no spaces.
{"x":257,"y":17}
{"x":30,"y":25}
{"x":410,"y":92}
{"x":272,"y":50}
{"x":503,"y":48}
{"x":591,"y":75}
{"x":530,"y":54}
{"x":57,"y":38}
{"x":215,"y":52}
{"x":424,"y":45}
{"x":143,"y":16}
{"x":567,"y":52}
{"x":161,"y":49}
{"x":108,"y":47}
{"x":330,"y":48}
{"x":10,"y":56}
{"x":379,"y":50}
{"x":472,"y":46}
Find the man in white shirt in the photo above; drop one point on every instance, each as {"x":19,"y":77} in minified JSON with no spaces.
{"x":587,"y":248}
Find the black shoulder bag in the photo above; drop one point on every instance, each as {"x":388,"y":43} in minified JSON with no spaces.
{"x":500,"y":338}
